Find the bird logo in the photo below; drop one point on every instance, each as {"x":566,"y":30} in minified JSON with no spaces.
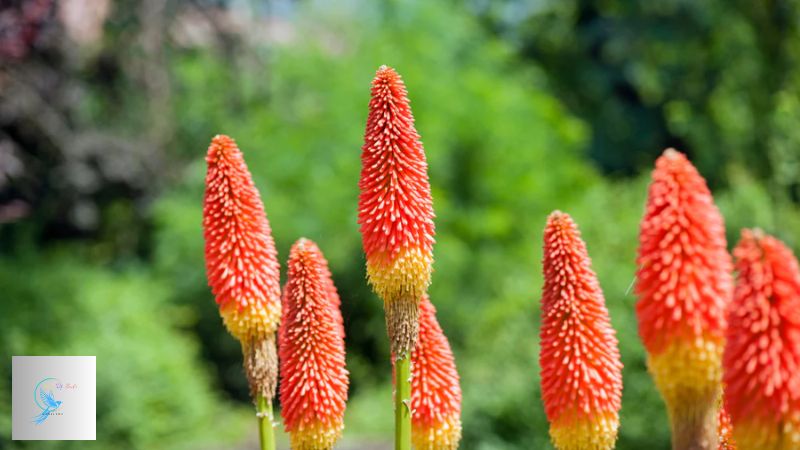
{"x":44,"y":399}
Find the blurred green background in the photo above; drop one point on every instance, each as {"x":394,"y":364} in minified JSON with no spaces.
{"x":107,"y":108}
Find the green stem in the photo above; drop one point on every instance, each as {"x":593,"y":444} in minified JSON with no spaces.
{"x":265,"y":431}
{"x":402,"y":404}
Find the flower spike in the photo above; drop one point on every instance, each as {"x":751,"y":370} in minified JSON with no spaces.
{"x":395,"y":209}
{"x":314,"y":379}
{"x":435,"y":390}
{"x":580,"y":361}
{"x":241,"y":262}
{"x":684,"y":285}
{"x":762,"y":355}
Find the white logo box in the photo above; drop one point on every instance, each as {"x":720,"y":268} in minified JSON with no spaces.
{"x":53,"y":398}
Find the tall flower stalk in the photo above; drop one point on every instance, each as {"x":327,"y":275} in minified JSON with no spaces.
{"x":684,"y":284}
{"x":243,"y":271}
{"x":314,"y":379}
{"x":579,"y":358}
{"x":435,"y":389}
{"x":395,"y":213}
{"x":762,"y":355}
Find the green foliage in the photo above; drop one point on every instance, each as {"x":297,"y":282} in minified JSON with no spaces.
{"x":718,"y":79}
{"x":502,"y":153}
{"x":151,"y":391}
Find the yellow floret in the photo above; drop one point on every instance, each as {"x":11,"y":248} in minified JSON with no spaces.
{"x":597,"y":433}
{"x":315,"y":436}
{"x":407,"y":275}
{"x":256,"y":320}
{"x":688,"y":375}
{"x":443,"y":436}
{"x":762,"y":435}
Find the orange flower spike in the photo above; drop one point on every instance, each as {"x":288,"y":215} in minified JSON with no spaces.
{"x":684,"y":285}
{"x":314,"y":379}
{"x":395,"y":209}
{"x":435,"y":391}
{"x":580,"y":361}
{"x":762,"y":355}
{"x":241,"y":262}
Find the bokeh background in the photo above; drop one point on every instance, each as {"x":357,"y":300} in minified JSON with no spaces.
{"x":107,"y":108}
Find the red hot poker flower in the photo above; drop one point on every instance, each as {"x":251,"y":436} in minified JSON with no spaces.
{"x":314,"y":379}
{"x":435,"y":391}
{"x":684,"y":285}
{"x":395,"y":209}
{"x":762,"y":355}
{"x":580,"y":362}
{"x":241,"y":262}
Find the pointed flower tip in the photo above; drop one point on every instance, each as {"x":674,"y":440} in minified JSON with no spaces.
{"x":435,"y":388}
{"x":220,"y":146}
{"x":675,"y":161}
{"x":314,"y":380}
{"x":558,"y":219}
{"x":576,"y":339}
{"x":241,"y":261}
{"x":304,"y":244}
{"x":673,"y":154}
{"x":385,"y":72}
{"x":222,"y":139}
{"x":753,"y":235}
{"x":763,"y":344}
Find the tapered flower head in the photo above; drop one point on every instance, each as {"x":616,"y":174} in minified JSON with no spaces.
{"x":435,"y":391}
{"x":580,"y":362}
{"x":684,"y":284}
{"x":395,"y":210}
{"x":314,"y":380}
{"x":241,"y":261}
{"x":762,"y":355}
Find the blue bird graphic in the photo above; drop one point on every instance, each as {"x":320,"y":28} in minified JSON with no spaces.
{"x":50,"y":403}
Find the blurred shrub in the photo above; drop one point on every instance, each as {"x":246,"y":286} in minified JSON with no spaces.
{"x":151,"y":391}
{"x":718,"y":79}
{"x":502,"y":154}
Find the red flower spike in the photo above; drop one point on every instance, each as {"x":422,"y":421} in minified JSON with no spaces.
{"x":435,"y":391}
{"x":580,"y":361}
{"x":762,"y":355}
{"x":241,"y":261}
{"x":395,"y":209}
{"x":314,"y":379}
{"x":684,"y":284}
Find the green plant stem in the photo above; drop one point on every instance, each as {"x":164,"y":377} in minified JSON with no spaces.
{"x":265,"y":431}
{"x":402,"y":404}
